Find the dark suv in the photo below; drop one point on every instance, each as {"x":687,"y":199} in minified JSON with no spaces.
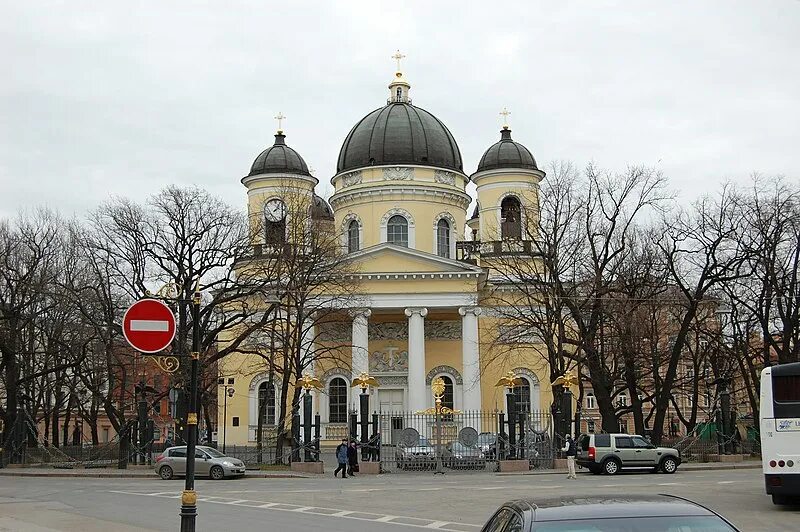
{"x":608,"y":453}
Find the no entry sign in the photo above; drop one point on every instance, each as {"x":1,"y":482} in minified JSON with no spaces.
{"x":149,"y":326}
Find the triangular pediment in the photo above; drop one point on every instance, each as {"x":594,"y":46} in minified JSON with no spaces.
{"x":392,"y":259}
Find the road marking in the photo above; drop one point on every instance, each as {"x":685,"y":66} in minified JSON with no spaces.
{"x":726,"y":482}
{"x":414,"y":522}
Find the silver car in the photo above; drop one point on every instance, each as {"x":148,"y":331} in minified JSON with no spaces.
{"x":207,"y":462}
{"x":420,"y":456}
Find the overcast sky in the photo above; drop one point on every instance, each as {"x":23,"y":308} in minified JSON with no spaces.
{"x":123,"y":98}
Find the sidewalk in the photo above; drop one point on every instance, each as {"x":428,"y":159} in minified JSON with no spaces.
{"x":148,"y":473}
{"x":130,"y":473}
{"x":703,"y":466}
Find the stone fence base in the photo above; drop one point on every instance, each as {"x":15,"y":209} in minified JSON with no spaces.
{"x":308,"y":467}
{"x":726,"y":458}
{"x":561,"y":463}
{"x":369,"y":468}
{"x":511,"y":466}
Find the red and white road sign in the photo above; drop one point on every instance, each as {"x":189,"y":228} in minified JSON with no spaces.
{"x":149,"y":326}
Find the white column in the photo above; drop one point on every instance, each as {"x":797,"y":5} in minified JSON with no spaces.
{"x":417,"y":399}
{"x":359,"y":362}
{"x":470,"y":357}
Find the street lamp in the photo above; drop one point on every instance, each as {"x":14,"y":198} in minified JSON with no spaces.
{"x":228,"y":392}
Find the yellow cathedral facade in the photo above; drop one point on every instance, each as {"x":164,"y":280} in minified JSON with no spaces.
{"x":423,"y":267}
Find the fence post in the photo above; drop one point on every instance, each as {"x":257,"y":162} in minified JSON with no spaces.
{"x":501,"y":436}
{"x":512,"y":425}
{"x":317,"y":426}
{"x":307,"y":426}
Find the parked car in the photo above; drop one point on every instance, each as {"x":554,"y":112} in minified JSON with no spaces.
{"x":487,"y":441}
{"x":420,"y":456}
{"x":609,"y":453}
{"x":457,"y":455}
{"x":208,"y":462}
{"x":646,"y":513}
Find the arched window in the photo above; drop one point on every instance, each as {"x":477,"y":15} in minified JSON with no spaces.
{"x":352,"y":236}
{"x":447,"y":395}
{"x":522,"y":394}
{"x":337,"y":401}
{"x":266,"y":403}
{"x":275,"y":232}
{"x":510,"y":218}
{"x":443,"y":238}
{"x":399,"y":94}
{"x":397,"y":231}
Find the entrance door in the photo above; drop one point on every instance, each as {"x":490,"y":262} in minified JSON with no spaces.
{"x":391,"y":402}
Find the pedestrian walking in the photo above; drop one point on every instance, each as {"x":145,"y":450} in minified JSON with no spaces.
{"x":352,"y":459}
{"x":341,"y":457}
{"x":571,"y":449}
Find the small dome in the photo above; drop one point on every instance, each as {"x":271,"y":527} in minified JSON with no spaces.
{"x":507,"y":154}
{"x":399,"y":133}
{"x":279,"y":159}
{"x":320,"y":210}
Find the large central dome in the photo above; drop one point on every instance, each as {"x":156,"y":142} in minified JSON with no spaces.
{"x":399,"y":133}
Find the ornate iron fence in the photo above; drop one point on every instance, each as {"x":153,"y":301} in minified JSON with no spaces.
{"x":468,"y":441}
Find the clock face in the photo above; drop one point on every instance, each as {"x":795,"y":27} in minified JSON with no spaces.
{"x":275,"y":210}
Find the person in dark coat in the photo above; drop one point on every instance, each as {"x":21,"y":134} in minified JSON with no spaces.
{"x":341,"y":458}
{"x":352,"y":458}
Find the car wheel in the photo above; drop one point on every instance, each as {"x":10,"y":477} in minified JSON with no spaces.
{"x":669,"y":465}
{"x":611,"y":466}
{"x":217,"y":473}
{"x":166,"y":472}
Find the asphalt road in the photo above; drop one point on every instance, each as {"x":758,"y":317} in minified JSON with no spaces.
{"x":398,"y":502}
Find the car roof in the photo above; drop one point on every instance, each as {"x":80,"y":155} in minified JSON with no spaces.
{"x":556,"y":509}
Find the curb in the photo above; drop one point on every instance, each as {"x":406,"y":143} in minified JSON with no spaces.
{"x":55,"y":474}
{"x":699,"y":467}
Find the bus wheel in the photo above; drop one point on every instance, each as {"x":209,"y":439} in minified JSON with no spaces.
{"x":779,"y":499}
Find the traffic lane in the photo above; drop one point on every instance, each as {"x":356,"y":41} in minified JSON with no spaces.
{"x":465,"y":498}
{"x":737,"y":494}
{"x":87,"y":505}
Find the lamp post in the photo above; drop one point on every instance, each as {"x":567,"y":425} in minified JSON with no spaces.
{"x":228,"y":392}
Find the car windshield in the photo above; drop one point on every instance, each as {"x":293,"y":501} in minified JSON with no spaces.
{"x":213,"y":453}
{"x":704,"y":523}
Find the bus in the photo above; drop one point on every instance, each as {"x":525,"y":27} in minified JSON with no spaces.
{"x":780,"y":432}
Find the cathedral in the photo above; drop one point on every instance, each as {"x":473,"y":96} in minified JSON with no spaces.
{"x":400,"y":211}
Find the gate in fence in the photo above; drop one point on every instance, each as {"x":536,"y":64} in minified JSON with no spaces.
{"x":463,"y":441}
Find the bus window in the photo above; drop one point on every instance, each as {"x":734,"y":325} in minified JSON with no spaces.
{"x":786,"y":388}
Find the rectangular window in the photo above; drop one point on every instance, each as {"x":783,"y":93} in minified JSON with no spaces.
{"x":590,"y":426}
{"x":602,"y":440}
{"x":235,"y":421}
{"x":178,"y":453}
{"x":590,"y":401}
{"x":786,"y":388}
{"x":623,"y":442}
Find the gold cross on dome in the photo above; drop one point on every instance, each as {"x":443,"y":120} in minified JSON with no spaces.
{"x":504,"y":113}
{"x":397,"y":57}
{"x":279,"y":117}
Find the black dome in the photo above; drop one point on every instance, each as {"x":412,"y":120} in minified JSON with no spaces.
{"x":320,"y":210}
{"x":507,"y":154}
{"x":399,"y":133}
{"x":279,"y":159}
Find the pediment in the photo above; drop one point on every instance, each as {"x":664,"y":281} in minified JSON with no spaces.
{"x":392,"y":259}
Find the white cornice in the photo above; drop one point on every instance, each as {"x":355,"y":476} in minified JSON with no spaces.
{"x":497,"y":172}
{"x":401,"y":165}
{"x":413,"y":276}
{"x":461,"y":199}
{"x":247,"y":180}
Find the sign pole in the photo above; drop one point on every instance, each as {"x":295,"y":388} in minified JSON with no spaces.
{"x":189,"y":496}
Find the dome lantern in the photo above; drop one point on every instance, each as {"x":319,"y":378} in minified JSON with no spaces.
{"x":399,"y":87}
